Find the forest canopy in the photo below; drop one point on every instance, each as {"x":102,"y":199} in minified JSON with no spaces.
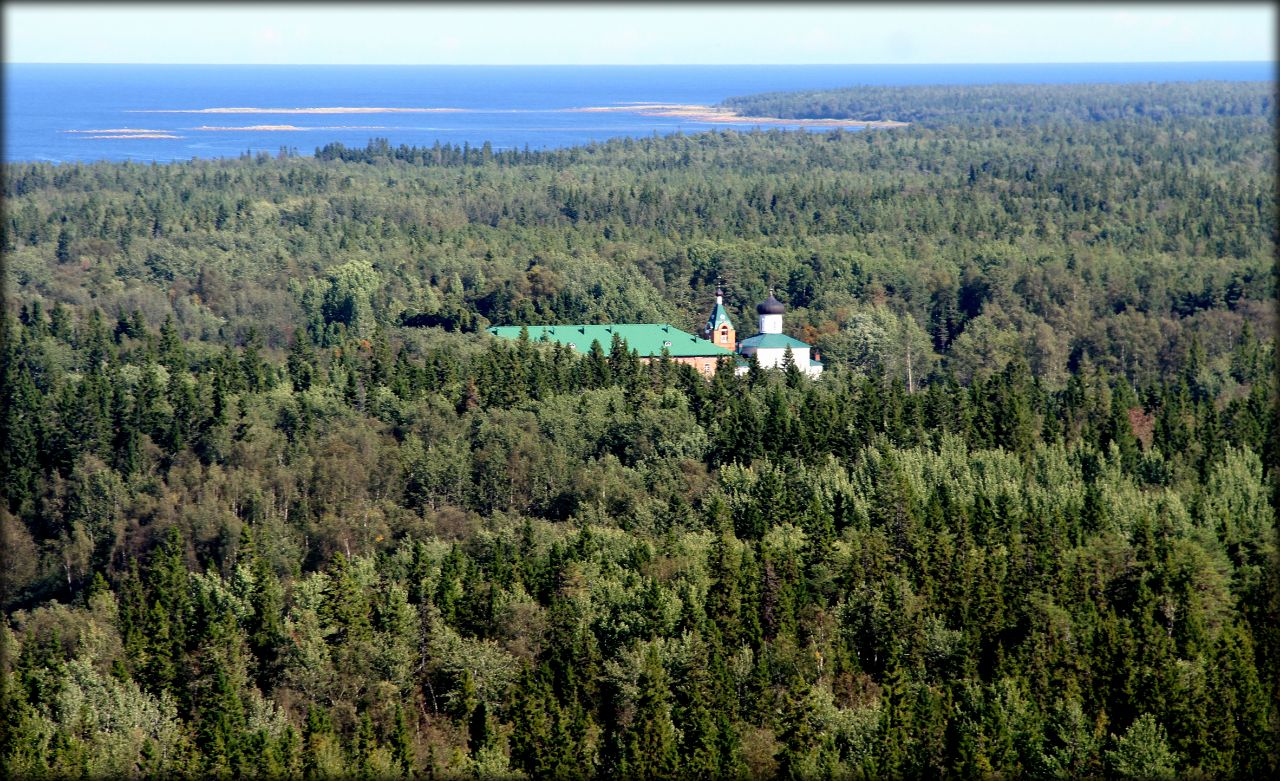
{"x":273,"y":504}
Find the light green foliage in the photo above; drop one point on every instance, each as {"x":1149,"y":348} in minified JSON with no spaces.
{"x":1236,"y":504}
{"x":989,"y":342}
{"x":877,"y":342}
{"x":109,"y":722}
{"x":311,"y":670}
{"x":1072,"y":746}
{"x":1143,"y":751}
{"x":492,"y":669}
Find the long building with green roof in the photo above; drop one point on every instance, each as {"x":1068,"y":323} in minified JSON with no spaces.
{"x":648,"y":340}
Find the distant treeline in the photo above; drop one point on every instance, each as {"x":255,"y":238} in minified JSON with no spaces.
{"x":1000,"y":105}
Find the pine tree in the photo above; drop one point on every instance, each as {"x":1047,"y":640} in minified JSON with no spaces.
{"x":380,"y":363}
{"x":265,"y":628}
{"x":168,"y":616}
{"x":820,"y":532}
{"x":724,"y":599}
{"x":182,"y":425}
{"x":126,"y":443}
{"x":173,"y":355}
{"x":402,"y":744}
{"x":363,"y":746}
{"x":289,"y":749}
{"x":346,"y":606}
{"x":321,"y":748}
{"x":60,"y":324}
{"x":891,"y":754}
{"x":694,"y":715}
{"x":351,"y":392}
{"x":755,"y":372}
{"x":596,"y":367}
{"x":21,"y":412}
{"x":649,"y":748}
{"x":790,"y":370}
{"x":221,"y":724}
{"x":301,"y":362}
{"x":799,"y":733}
{"x":94,"y":342}
{"x":532,"y":713}
{"x":1239,"y":715}
{"x":251,"y":363}
{"x":62,"y":252}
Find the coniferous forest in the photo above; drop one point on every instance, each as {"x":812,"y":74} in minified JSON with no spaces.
{"x":273,"y":504}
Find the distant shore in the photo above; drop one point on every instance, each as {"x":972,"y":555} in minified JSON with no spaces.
{"x":700,"y":113}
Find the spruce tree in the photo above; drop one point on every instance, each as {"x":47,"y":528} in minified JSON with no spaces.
{"x":649,"y":748}
{"x":402,"y":744}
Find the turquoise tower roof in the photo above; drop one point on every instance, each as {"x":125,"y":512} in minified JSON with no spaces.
{"x":719,"y":315}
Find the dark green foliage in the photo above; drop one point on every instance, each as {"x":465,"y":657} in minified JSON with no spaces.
{"x":649,"y":748}
{"x":1023,"y":525}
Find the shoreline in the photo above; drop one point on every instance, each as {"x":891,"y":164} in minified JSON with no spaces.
{"x":701,"y":113}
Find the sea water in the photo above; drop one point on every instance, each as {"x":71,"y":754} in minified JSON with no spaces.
{"x":64,"y":113}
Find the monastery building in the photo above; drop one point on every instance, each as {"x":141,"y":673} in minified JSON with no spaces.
{"x":651,"y":340}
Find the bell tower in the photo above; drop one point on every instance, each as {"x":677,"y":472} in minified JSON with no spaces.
{"x":719,"y":329}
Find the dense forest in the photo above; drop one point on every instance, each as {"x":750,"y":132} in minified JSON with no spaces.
{"x":273,"y":504}
{"x":1001,"y":105}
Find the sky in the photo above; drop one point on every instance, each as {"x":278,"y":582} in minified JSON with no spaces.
{"x":640,"y":34}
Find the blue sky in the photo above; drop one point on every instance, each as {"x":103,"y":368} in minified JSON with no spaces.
{"x":652,"y":33}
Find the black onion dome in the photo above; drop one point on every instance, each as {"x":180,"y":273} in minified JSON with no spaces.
{"x":770,"y":306}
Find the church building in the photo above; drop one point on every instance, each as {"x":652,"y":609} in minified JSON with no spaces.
{"x":769,"y":345}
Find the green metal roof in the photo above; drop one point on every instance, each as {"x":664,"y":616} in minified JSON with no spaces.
{"x":718,"y":318}
{"x":647,"y":339}
{"x":772,"y":340}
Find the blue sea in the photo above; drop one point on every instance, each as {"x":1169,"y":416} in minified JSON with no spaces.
{"x":65,"y":113}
